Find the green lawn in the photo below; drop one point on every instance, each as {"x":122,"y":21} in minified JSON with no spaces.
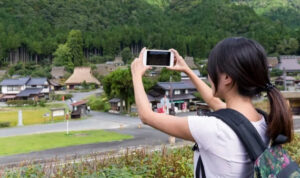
{"x":31,"y":115}
{"x":37,"y":142}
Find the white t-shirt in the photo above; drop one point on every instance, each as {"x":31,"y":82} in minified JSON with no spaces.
{"x":222,"y":152}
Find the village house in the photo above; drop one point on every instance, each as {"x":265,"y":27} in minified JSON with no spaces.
{"x":185,"y":77}
{"x":272,"y":62}
{"x":81,"y":75}
{"x":24,"y":88}
{"x":58,"y":72}
{"x":181,"y":94}
{"x":290,"y":81}
{"x":190,"y":62}
{"x":110,"y":66}
{"x":115,"y":105}
{"x":56,"y":84}
{"x":2,"y":73}
{"x":79,"y":109}
{"x":290,"y":64}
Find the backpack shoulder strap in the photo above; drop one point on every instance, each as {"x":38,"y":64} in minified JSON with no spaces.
{"x":244,"y":130}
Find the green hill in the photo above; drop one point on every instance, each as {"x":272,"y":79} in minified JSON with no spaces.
{"x":285,"y":11}
{"x":32,"y":30}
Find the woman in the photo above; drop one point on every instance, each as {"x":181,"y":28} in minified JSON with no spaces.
{"x":238,"y":71}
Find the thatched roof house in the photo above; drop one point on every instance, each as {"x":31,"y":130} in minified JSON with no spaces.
{"x":2,"y":73}
{"x":289,"y":63}
{"x":272,"y":62}
{"x":80,"y":75}
{"x":190,"y":62}
{"x":118,"y":61}
{"x":105,"y":69}
{"x":58,"y":72}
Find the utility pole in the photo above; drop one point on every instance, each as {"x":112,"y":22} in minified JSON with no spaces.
{"x":284,"y":79}
{"x":172,"y":112}
{"x":172,"y":139}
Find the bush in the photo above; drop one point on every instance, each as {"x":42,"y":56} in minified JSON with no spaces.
{"x":4,"y":124}
{"x":99,"y":103}
{"x":138,"y":163}
{"x":21,"y":102}
{"x":42,"y":102}
{"x":58,"y":97}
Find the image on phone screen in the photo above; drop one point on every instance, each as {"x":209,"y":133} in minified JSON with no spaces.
{"x":159,"y":58}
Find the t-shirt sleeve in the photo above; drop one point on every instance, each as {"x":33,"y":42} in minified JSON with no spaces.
{"x":204,"y":130}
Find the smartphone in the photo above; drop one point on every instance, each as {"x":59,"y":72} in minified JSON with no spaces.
{"x":158,"y":58}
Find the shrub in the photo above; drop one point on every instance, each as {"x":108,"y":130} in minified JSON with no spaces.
{"x":99,"y":103}
{"x":138,"y":163}
{"x":4,"y":124}
{"x":21,"y":102}
{"x":58,"y":97}
{"x":42,"y":102}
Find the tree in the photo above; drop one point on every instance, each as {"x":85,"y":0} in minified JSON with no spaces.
{"x":119,"y":84}
{"x":126,"y":55}
{"x":276,"y":72}
{"x":166,"y":74}
{"x":63,"y":57}
{"x":75,"y":43}
{"x":289,"y":46}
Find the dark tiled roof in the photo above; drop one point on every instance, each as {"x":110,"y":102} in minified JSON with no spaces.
{"x":37,"y":81}
{"x":174,"y":97}
{"x":176,"y":85}
{"x":151,"y":98}
{"x":289,"y":65}
{"x":10,"y":82}
{"x":183,"y":74}
{"x":29,"y":91}
{"x":182,"y":97}
{"x":114,"y":100}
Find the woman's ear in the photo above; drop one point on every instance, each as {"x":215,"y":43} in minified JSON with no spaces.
{"x":227,"y":79}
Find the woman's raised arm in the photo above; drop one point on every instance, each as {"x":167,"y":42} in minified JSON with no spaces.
{"x":204,"y":90}
{"x":172,"y":125}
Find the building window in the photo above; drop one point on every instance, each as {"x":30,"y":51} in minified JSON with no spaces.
{"x":33,"y":86}
{"x":13,"y":88}
{"x":177,"y":92}
{"x":167,"y":93}
{"x":45,"y":86}
{"x":186,"y":91}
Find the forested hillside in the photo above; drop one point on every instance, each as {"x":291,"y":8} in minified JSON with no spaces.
{"x":285,"y":11}
{"x":32,"y":30}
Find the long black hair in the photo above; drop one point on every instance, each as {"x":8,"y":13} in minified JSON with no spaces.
{"x":245,"y":61}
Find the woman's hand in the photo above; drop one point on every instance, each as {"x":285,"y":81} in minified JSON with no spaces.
{"x":179,"y":63}
{"x":137,"y":66}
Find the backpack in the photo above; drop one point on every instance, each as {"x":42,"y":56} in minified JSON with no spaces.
{"x":270,"y":161}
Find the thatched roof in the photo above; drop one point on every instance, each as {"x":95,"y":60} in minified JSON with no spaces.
{"x":104,"y":69}
{"x":190,"y":62}
{"x":272,"y":61}
{"x":80,"y":75}
{"x":2,"y":73}
{"x":58,"y":72}
{"x":119,"y":60}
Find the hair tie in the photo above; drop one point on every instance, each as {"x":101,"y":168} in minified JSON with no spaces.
{"x":269,"y":87}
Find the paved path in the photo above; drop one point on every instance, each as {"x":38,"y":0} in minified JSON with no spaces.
{"x":98,"y":120}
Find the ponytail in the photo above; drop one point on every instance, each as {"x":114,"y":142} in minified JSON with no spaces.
{"x":280,"y":118}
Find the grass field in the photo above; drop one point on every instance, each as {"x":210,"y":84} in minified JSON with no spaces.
{"x":31,"y":115}
{"x":37,"y":142}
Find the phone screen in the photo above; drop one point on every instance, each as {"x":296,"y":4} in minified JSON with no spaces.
{"x":158,"y":58}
